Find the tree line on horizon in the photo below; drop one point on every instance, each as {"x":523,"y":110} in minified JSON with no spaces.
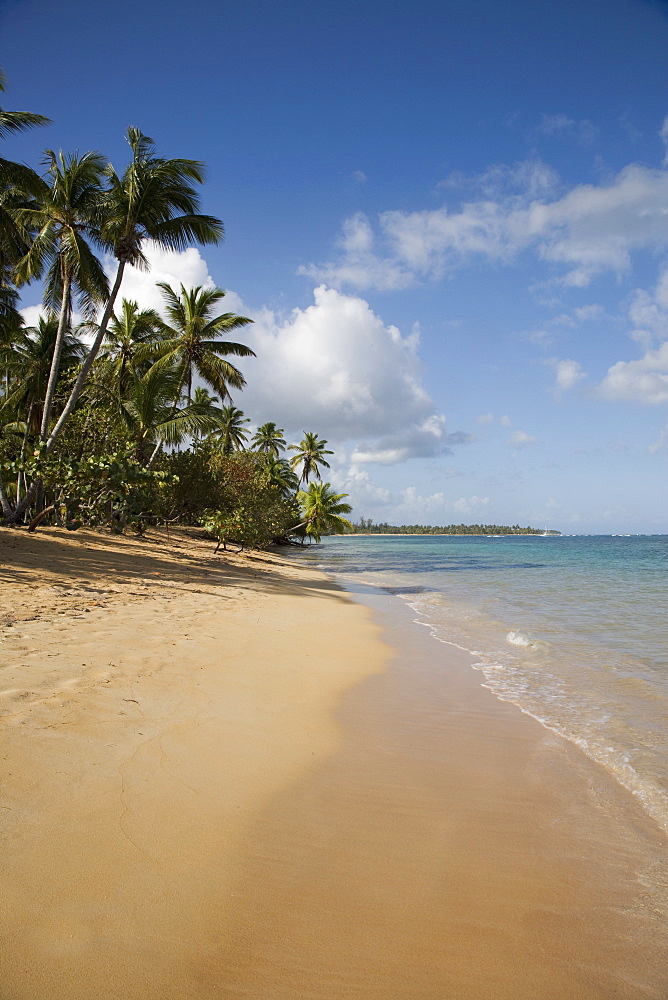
{"x":369,"y":527}
{"x":125,"y":418}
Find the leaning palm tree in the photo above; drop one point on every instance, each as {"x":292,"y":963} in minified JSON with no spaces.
{"x":190,"y":339}
{"x":269,"y":439}
{"x":322,"y":511}
{"x":230,"y":435}
{"x":63,"y":219}
{"x":153,"y":200}
{"x":310,"y":455}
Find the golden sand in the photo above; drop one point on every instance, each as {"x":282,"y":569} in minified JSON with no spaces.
{"x":219,"y":783}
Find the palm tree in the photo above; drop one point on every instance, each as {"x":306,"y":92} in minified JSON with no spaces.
{"x":203,"y":402}
{"x":269,"y":439}
{"x":280,"y":475}
{"x":151,"y":418}
{"x":27,"y":362}
{"x":127,"y":332}
{"x":154,"y":200}
{"x":62,"y":218}
{"x":322,"y":511}
{"x":190,"y":339}
{"x":17,"y":121}
{"x":230,"y":434}
{"x":310,"y":454}
{"x":17,"y":182}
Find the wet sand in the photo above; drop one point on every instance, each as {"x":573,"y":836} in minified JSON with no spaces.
{"x":221,"y":782}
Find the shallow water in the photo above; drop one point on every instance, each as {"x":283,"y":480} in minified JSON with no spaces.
{"x":571,"y":629}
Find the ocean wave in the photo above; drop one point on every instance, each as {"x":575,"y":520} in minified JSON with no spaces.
{"x":519,"y":639}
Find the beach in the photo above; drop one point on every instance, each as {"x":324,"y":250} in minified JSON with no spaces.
{"x":225,"y":777}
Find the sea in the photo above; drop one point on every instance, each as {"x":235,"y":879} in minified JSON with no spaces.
{"x":572,"y":629}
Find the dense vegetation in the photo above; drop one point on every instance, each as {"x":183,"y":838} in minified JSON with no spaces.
{"x":124,"y":418}
{"x":367,"y":527}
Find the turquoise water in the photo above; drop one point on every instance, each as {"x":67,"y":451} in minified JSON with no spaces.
{"x":571,"y":629}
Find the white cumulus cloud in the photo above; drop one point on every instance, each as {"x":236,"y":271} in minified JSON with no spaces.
{"x":184,"y":267}
{"x":336,"y":368}
{"x":644,"y":380}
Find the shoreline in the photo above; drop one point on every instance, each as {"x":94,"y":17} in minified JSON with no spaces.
{"x":224,"y":782}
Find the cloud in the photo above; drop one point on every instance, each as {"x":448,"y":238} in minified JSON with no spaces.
{"x":360,"y":176}
{"x":664,"y":139}
{"x":642,"y":381}
{"x":584,"y":132}
{"x":551,"y":124}
{"x":467,"y":505}
{"x":486,"y":418}
{"x":31,"y":315}
{"x":648,"y":313}
{"x":589,"y":230}
{"x":412,"y":501}
{"x":336,"y":368}
{"x":333,"y":367}
{"x":186,"y":267}
{"x":520,"y":439}
{"x":423,"y":441}
{"x":567,"y":373}
{"x":661,"y":442}
{"x":527,"y":179}
{"x":358,"y":265}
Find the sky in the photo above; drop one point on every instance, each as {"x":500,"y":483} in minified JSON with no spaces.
{"x":448,"y":221}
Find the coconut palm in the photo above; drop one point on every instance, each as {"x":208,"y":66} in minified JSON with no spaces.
{"x":269,"y":439}
{"x":154,"y":199}
{"x":230,"y":435}
{"x":310,"y":455}
{"x":190,"y":341}
{"x":280,"y":475}
{"x":63,"y":220}
{"x":17,"y":182}
{"x":27,"y":362}
{"x":322,"y":511}
{"x":203,"y":402}
{"x":128,"y":330}
{"x":17,"y":121}
{"x":151,"y":418}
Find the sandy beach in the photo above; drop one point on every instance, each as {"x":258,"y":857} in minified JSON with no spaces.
{"x":224,"y":777}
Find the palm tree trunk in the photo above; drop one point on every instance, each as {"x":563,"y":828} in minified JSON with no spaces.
{"x":55,"y":360}
{"x":4,"y":502}
{"x":21,"y":508}
{"x":154,"y":455}
{"x":21,"y":478}
{"x":88,"y":363}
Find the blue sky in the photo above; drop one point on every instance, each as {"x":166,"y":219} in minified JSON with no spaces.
{"x":449,"y":222}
